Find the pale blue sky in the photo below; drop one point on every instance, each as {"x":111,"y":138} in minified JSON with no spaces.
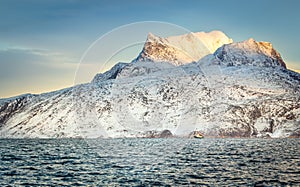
{"x":41,"y":42}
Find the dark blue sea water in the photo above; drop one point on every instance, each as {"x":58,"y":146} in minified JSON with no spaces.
{"x":150,"y":162}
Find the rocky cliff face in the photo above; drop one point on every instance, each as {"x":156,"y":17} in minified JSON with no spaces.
{"x":240,"y":90}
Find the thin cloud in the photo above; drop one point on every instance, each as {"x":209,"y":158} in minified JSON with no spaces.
{"x":295,"y":66}
{"x":25,"y":67}
{"x":34,"y":56}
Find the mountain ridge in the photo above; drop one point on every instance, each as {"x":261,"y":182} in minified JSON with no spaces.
{"x":182,"y":49}
{"x":249,"y":51}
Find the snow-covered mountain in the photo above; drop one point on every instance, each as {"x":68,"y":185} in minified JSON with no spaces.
{"x":239,"y":90}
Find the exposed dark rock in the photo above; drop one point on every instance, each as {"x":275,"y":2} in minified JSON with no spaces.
{"x":8,"y":109}
{"x":158,"y":134}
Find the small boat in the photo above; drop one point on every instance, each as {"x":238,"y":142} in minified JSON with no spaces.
{"x":198,"y":135}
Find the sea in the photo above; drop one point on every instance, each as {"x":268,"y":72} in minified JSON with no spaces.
{"x":150,"y":162}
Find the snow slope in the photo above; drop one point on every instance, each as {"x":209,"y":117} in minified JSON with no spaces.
{"x":241,"y":90}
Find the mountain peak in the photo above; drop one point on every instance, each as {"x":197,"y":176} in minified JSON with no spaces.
{"x":250,"y":43}
{"x":151,"y":37}
{"x":181,"y":49}
{"x":249,"y":52}
{"x":250,"y":40}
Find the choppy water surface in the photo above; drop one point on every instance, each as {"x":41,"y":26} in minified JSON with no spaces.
{"x":148,"y":162}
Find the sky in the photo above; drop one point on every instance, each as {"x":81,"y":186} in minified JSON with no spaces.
{"x":42,"y":43}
